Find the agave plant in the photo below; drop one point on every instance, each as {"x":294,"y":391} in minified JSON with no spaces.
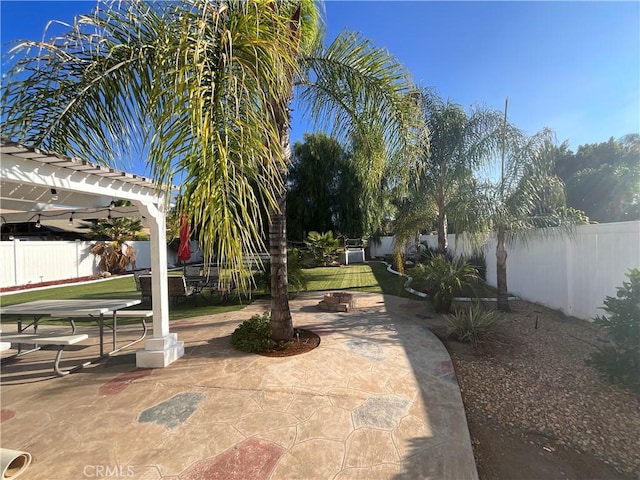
{"x":323,"y":247}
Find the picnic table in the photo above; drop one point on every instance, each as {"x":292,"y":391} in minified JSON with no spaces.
{"x":74,"y":308}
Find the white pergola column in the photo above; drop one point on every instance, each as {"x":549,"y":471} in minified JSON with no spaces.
{"x":163,"y":347}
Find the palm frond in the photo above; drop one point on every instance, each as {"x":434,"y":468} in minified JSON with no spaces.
{"x":188,"y":85}
{"x":361,"y":94}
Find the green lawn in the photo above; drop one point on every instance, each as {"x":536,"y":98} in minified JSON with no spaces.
{"x":371,"y":277}
{"x":123,"y":287}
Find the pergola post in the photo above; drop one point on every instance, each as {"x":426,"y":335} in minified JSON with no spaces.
{"x":163,"y":347}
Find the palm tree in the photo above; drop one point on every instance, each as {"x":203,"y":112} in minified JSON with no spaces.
{"x":527,"y":199}
{"x":202,"y":90}
{"x":112,"y":235}
{"x":363,"y":92}
{"x":445,"y":188}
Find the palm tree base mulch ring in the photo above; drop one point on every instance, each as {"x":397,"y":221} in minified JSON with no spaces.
{"x":306,"y":342}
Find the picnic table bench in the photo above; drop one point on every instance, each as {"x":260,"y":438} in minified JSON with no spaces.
{"x":98,"y":309}
{"x":58,"y":340}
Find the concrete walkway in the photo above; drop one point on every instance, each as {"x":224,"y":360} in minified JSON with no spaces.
{"x":377,"y":399}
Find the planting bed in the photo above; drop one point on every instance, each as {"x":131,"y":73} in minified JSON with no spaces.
{"x":535,"y":409}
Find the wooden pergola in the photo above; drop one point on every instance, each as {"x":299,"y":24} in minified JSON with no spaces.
{"x":35,"y":184}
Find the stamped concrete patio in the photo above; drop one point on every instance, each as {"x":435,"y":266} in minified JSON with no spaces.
{"x":378,"y":399}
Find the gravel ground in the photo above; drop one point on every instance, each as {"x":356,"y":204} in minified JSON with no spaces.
{"x":535,"y":380}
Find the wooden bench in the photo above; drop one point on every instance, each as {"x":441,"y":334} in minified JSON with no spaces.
{"x":145,"y":287}
{"x":60,"y":341}
{"x":136,"y":277}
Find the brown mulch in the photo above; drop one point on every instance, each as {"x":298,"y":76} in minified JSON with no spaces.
{"x":49,"y":283}
{"x":535,"y":406}
{"x":304,"y":342}
{"x":46,"y":284}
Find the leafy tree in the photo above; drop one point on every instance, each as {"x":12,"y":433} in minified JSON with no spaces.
{"x":363,"y":92}
{"x":603,"y":179}
{"x":118,"y":229}
{"x":620,"y":360}
{"x":176,"y":82}
{"x":528,"y":198}
{"x":202,"y":89}
{"x":323,"y":189}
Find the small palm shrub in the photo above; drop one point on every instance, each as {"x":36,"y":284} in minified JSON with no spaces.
{"x":427,"y":253}
{"x":443,"y":278}
{"x":620,"y":360}
{"x":295,"y":275}
{"x":253,"y":335}
{"x":473,"y":324}
{"x":323,"y":247}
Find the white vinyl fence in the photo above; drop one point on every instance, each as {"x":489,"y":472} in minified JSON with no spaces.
{"x":26,"y":262}
{"x":572,"y":274}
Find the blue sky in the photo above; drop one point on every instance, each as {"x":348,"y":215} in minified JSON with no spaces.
{"x":570,"y":66}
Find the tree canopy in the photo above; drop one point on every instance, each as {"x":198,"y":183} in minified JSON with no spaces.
{"x":324,"y":189}
{"x":603,"y":179}
{"x":201,"y":89}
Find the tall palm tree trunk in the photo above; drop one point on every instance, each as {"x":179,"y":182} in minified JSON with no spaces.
{"x":501,"y":270}
{"x":442,"y":233}
{"x":281,"y":322}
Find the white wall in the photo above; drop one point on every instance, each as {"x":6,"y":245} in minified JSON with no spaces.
{"x":381,"y":248}
{"x":385,"y":246}
{"x":24,"y":262}
{"x":33,"y":261}
{"x":572,"y":274}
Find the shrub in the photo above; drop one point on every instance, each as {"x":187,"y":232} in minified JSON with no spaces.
{"x":115,"y":256}
{"x":253,"y":335}
{"x":473,"y":324}
{"x":427,"y":253}
{"x":295,"y":275}
{"x":620,"y":361}
{"x":323,"y":247}
{"x":479,"y":262}
{"x":443,"y":278}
